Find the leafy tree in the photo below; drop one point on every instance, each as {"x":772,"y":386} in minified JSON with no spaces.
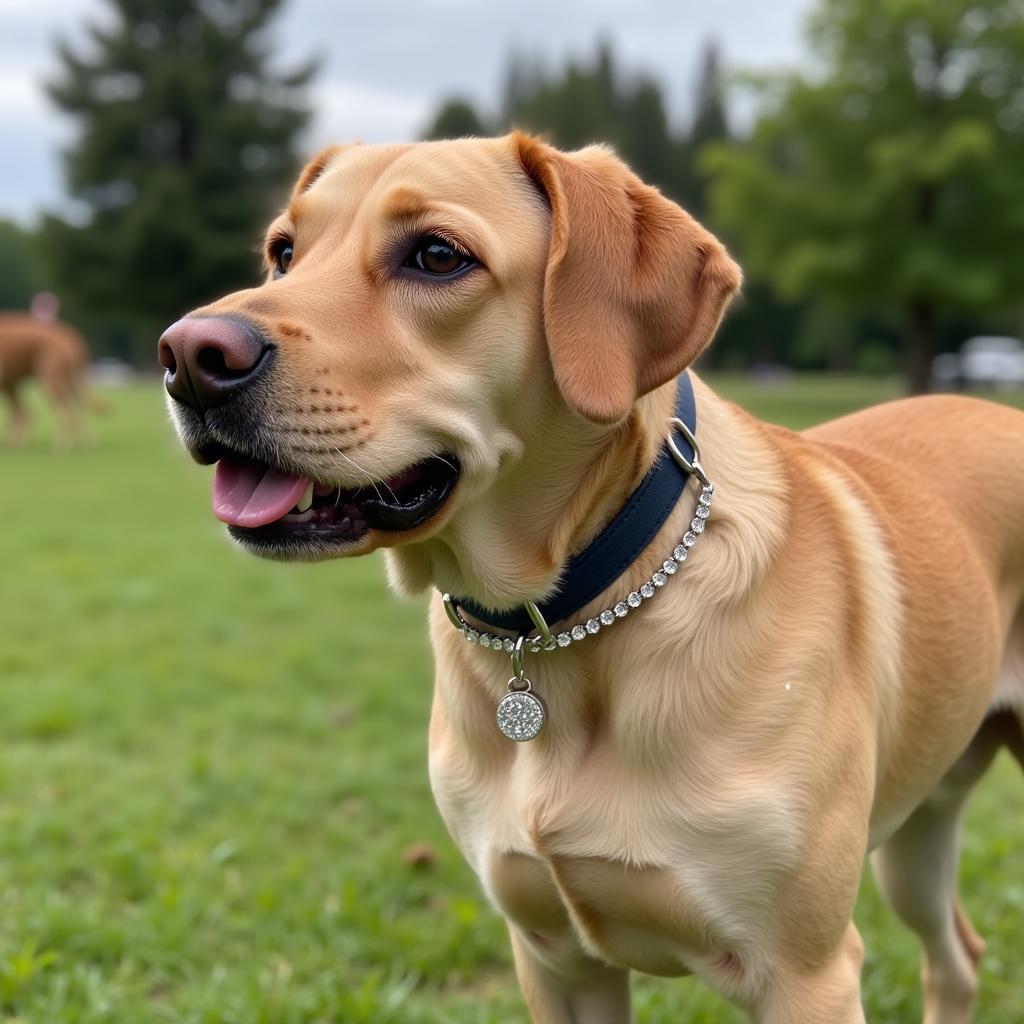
{"x":187,"y":136}
{"x":890,"y":176}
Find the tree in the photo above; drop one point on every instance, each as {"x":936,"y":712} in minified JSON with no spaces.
{"x":592,"y":102}
{"x":456,"y":119}
{"x":524,"y":75}
{"x":710,"y":125}
{"x":890,"y":177}
{"x":187,"y":136}
{"x":20,"y":273}
{"x":575,"y":108}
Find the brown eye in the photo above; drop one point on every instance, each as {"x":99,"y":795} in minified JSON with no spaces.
{"x":438,"y":258}
{"x":283,"y":256}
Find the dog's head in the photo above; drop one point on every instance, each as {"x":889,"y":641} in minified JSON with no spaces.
{"x":434,"y":317}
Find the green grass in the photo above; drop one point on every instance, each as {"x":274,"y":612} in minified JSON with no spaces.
{"x":210,"y":768}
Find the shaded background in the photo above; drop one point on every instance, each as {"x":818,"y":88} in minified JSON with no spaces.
{"x":213,"y":795}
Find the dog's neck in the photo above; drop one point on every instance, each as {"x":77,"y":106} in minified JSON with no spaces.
{"x":511,"y":544}
{"x":745,"y":541}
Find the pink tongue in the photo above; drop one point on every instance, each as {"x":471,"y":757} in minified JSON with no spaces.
{"x":249,"y":494}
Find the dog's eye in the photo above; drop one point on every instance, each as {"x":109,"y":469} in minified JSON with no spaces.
{"x":282,"y":256}
{"x":438,"y":258}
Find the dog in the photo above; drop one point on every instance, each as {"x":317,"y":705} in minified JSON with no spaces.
{"x":469,"y":353}
{"x":54,"y":353}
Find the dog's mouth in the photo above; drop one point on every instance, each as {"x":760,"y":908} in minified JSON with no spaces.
{"x":282,"y":514}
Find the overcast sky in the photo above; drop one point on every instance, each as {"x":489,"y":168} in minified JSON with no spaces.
{"x":386,"y":64}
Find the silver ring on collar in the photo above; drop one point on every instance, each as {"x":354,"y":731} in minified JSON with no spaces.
{"x":693,"y":468}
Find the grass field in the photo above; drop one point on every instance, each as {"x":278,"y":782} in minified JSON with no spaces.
{"x":210,"y":768}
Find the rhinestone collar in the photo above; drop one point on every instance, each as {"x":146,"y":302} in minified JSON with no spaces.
{"x":590,"y":573}
{"x":521,"y":714}
{"x":544,"y":640}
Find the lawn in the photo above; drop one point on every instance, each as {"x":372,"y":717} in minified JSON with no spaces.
{"x":211,"y":769}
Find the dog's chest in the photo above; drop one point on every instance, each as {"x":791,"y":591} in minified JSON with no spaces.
{"x":640,"y":875}
{"x":625,"y":915}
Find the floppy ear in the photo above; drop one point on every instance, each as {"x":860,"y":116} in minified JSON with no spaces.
{"x":634,"y":288}
{"x":315,"y":167}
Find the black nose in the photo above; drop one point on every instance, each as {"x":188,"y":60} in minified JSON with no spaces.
{"x":209,"y":358}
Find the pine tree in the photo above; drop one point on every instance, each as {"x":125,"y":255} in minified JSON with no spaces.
{"x":187,"y":139}
{"x":593,"y":102}
{"x":710,"y":122}
{"x":645,"y":138}
{"x":524,"y":75}
{"x":20,"y":273}
{"x":456,"y":119}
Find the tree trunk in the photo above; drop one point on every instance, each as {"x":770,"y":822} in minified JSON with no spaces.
{"x":919,"y":347}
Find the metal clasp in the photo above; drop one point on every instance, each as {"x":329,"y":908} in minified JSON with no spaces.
{"x":452,"y":612}
{"x":517,"y":660}
{"x":693,"y":468}
{"x":547,"y":641}
{"x":544,"y":641}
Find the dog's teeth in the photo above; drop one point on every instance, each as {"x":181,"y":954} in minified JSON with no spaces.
{"x":306,"y":500}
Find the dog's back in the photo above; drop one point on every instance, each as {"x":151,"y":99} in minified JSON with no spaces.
{"x":968,"y":452}
{"x":964,"y":455}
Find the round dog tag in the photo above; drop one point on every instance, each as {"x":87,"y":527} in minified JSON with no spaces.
{"x":521,"y":714}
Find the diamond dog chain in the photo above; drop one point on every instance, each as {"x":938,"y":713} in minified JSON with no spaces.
{"x":546,"y":641}
{"x":521,"y":714}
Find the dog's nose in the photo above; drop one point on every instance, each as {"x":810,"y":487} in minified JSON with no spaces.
{"x":208,"y":358}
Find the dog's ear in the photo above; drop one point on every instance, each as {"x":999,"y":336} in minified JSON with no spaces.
{"x":634,"y":288}
{"x":315,"y":168}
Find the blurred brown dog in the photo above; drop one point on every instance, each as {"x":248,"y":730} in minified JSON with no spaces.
{"x":53,"y":353}
{"x":466,"y":353}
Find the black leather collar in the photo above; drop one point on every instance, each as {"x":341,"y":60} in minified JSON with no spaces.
{"x":588,"y":574}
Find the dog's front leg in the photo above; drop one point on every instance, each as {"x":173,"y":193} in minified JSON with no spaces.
{"x":826,"y":994}
{"x":562,"y":987}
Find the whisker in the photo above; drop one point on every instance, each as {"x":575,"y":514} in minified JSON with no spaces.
{"x":441,"y":458}
{"x":393,"y":495}
{"x":369,"y":478}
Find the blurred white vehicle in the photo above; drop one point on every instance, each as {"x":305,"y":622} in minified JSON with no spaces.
{"x":111,"y":373}
{"x":984,"y":361}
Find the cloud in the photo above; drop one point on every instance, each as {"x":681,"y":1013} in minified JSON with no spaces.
{"x":386,"y":66}
{"x":21,"y":95}
{"x":348,"y":111}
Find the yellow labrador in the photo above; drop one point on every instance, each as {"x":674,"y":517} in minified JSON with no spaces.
{"x":467,"y":353}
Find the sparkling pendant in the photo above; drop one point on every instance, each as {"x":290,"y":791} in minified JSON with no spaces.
{"x":521,"y":714}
